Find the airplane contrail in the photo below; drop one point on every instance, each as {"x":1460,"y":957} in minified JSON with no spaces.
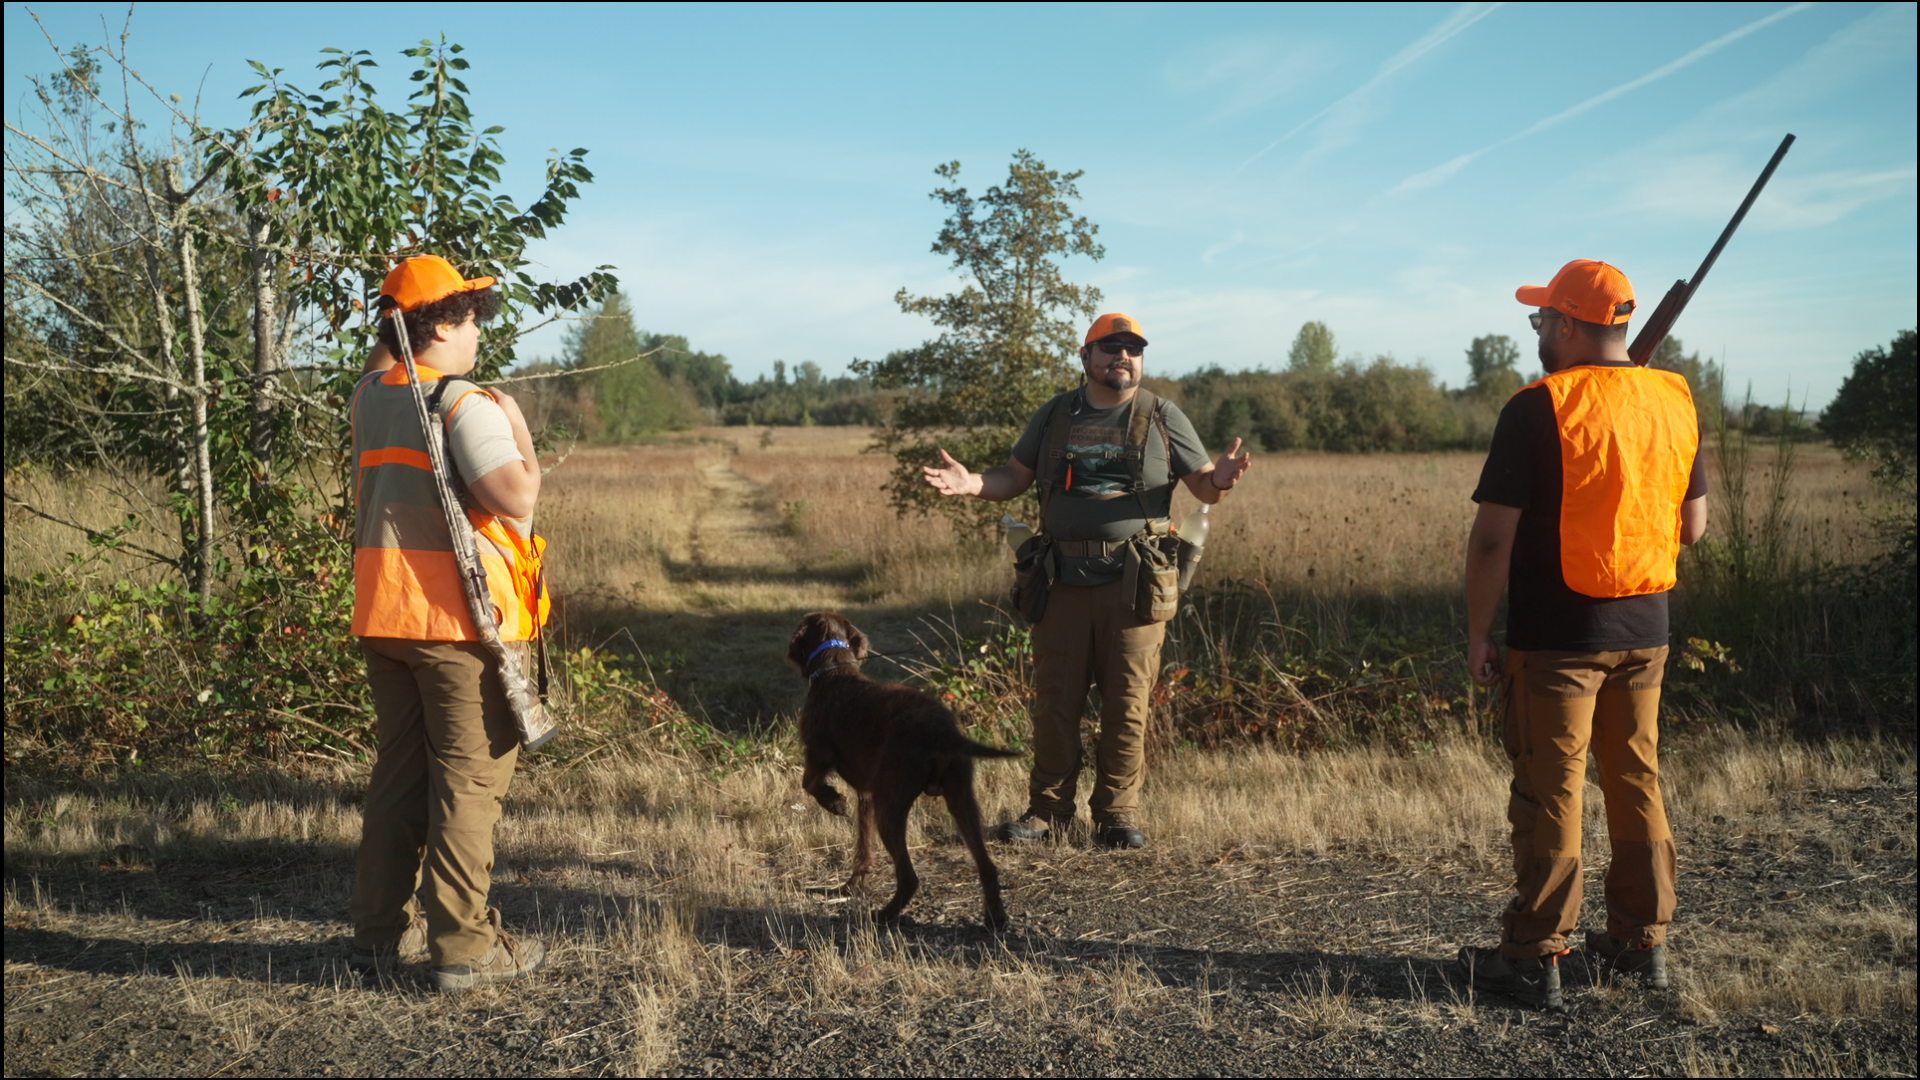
{"x":1462,"y":17}
{"x":1440,"y":173}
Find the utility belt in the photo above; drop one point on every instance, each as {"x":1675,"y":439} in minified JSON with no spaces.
{"x":1156,"y":567}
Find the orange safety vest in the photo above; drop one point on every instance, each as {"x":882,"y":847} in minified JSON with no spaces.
{"x":405,"y":582}
{"x":1628,"y":436}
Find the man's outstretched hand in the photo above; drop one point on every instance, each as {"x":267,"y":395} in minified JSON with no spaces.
{"x":951,"y":477}
{"x":1228,"y":469}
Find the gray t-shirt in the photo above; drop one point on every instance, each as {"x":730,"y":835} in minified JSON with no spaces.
{"x":1093,"y":501}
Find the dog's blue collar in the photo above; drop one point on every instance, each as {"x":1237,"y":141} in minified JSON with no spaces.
{"x":830,"y":643}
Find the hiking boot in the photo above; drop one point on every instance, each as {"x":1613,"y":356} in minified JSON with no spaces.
{"x":1032,"y":825}
{"x":1534,"y":981}
{"x":381,"y":959}
{"x":1118,"y":832}
{"x":509,"y":959}
{"x":1648,"y":963}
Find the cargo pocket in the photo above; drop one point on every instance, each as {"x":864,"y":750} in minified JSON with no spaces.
{"x":1033,"y":572}
{"x":1155,"y":574}
{"x":1512,"y":702}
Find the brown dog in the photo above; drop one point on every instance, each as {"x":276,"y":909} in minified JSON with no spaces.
{"x":892,"y":743}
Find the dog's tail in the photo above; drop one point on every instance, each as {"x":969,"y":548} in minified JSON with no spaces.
{"x":960,"y":744}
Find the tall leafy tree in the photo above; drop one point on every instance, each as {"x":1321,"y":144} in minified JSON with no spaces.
{"x":1008,"y":340}
{"x":1313,"y":349}
{"x":1493,"y":361}
{"x":631,"y":398}
{"x":348,"y":186}
{"x":1873,"y":415}
{"x":1704,"y":379}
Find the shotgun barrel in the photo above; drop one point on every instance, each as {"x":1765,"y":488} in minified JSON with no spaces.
{"x":1660,"y":323}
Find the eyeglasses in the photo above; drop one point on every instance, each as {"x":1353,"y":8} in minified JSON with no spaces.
{"x":1539,"y":317}
{"x":1115,"y":348}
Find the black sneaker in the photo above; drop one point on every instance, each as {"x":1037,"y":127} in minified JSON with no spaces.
{"x":1118,"y":832}
{"x":1032,"y":825}
{"x":1534,"y":982}
{"x":1648,"y":963}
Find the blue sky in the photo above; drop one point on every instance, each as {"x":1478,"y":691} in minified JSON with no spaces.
{"x":1394,"y":171}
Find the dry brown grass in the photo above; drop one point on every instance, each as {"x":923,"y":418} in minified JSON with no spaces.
{"x":691,"y":888}
{"x":747,"y":841}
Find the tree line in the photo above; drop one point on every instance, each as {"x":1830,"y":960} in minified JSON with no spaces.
{"x":614,"y":382}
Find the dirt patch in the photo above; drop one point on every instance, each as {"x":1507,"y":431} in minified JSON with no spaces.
{"x":1794,"y":953}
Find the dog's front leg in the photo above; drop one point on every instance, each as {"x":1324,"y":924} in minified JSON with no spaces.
{"x":813,"y":780}
{"x":862,"y":843}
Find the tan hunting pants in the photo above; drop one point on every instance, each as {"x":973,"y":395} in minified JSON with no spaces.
{"x":1090,"y":635}
{"x":447,"y":745}
{"x":1557,"y":705}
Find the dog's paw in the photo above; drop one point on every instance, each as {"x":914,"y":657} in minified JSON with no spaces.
{"x":997,"y":920}
{"x":831,"y":800}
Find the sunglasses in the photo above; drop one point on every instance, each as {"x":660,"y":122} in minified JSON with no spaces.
{"x":1115,"y":348}
{"x":1539,"y":317}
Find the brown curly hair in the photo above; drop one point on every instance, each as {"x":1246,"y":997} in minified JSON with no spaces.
{"x":450,"y":310}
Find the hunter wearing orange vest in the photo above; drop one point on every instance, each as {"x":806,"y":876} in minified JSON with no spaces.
{"x":447,"y":737}
{"x":1592,"y":484}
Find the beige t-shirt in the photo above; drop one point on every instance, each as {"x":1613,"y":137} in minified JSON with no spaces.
{"x":479,"y":437}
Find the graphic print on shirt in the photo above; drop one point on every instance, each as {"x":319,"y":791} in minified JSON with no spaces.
{"x":1099,"y":469}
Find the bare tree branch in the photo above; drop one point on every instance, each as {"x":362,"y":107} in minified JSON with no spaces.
{"x":92,"y":534}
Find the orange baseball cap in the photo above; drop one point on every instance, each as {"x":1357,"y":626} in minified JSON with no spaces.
{"x":1584,"y":289}
{"x":1114,"y":323}
{"x":422,"y":279}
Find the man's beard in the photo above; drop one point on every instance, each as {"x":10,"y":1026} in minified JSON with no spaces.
{"x":1549,"y":351}
{"x":1116,"y":377}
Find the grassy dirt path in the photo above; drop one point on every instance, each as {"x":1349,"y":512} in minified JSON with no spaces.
{"x":736,"y":581}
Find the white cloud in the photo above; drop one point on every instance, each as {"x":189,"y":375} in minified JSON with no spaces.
{"x":1705,"y":187}
{"x":1435,"y":176}
{"x":1243,"y":73}
{"x":1345,"y":116}
{"x":1216,"y":250}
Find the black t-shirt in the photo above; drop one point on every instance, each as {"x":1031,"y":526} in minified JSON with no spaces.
{"x":1523,"y":471}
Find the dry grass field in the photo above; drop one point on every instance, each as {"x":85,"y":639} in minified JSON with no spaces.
{"x":1290,"y":915}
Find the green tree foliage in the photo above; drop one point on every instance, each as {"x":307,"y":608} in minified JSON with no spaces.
{"x":629,"y":396}
{"x":161,"y":285}
{"x":1313,"y":349}
{"x":1872,"y":416}
{"x":1704,"y":379}
{"x":1355,"y":408}
{"x":1008,"y":340}
{"x":1494,"y":361}
{"x":352,"y":186}
{"x":709,"y":374}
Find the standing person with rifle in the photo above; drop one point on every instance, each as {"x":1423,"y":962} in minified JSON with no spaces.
{"x":448,"y":734}
{"x":1593,"y":483}
{"x":1098,"y":584}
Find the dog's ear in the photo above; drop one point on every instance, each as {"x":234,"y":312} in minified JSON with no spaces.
{"x":857,"y":641}
{"x":801,"y":643}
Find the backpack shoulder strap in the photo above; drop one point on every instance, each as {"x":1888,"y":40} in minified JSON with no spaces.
{"x":1146,"y":412}
{"x":448,"y":392}
{"x":1055,"y":458}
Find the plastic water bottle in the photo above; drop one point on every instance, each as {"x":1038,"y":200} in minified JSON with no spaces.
{"x":1017,"y":532}
{"x":1193,"y":529}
